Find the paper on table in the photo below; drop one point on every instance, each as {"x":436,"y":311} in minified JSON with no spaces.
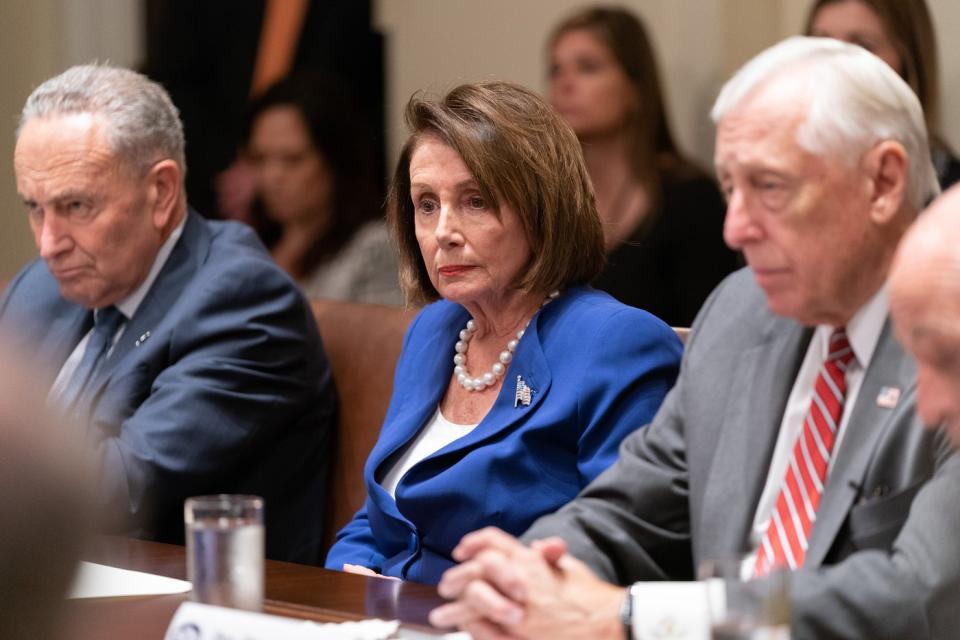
{"x":193,"y":620}
{"x":101,"y":581}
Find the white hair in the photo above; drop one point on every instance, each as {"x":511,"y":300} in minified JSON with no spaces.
{"x":142,"y":124}
{"x":854,"y":100}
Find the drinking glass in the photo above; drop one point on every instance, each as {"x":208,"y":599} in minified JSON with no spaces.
{"x":225,"y":546}
{"x":762,"y":613}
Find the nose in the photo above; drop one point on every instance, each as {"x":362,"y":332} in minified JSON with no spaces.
{"x":52,"y":237}
{"x":739,"y":226}
{"x":448,"y":228}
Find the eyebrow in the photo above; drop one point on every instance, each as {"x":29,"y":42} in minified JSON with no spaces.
{"x":463,"y":184}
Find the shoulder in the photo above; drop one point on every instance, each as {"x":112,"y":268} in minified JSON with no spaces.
{"x":584,"y":315}
{"x":34,"y":293}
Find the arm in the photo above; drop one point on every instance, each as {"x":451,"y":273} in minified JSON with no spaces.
{"x":356,"y":545}
{"x":234,"y":373}
{"x":633,"y":363}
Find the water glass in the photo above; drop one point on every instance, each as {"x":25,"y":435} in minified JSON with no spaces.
{"x":763,"y":615}
{"x":225,"y":547}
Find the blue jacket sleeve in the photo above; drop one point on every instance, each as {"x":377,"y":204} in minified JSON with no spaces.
{"x":356,"y":545}
{"x":635,"y":359}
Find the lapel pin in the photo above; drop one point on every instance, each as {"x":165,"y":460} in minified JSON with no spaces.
{"x":142,"y":339}
{"x":888,"y":397}
{"x":523,"y":395}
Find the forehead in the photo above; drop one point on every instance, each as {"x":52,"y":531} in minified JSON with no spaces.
{"x":580,"y":39}
{"x":62,"y":149}
{"x":432,"y":158}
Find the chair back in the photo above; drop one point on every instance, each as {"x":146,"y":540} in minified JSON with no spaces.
{"x":362,"y":342}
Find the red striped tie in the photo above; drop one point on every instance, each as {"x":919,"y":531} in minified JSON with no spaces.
{"x":785,"y":542}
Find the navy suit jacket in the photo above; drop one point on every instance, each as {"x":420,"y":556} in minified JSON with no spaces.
{"x":599,"y":369}
{"x":229,"y":392}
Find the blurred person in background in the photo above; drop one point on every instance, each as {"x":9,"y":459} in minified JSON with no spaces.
{"x":318,"y":201}
{"x":516,"y":385}
{"x":901,"y":33}
{"x":662,"y":215}
{"x":44,"y":506}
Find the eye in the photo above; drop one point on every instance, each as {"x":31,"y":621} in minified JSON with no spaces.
{"x":427,"y":205}
{"x":476,"y":202}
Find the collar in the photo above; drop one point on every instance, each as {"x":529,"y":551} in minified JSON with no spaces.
{"x":863,"y":330}
{"x":129,"y":305}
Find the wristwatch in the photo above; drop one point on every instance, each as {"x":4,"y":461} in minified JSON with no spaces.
{"x":626,"y":612}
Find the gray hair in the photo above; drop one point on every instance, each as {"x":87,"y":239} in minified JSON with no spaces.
{"x":142,"y":124}
{"x":855,"y":100}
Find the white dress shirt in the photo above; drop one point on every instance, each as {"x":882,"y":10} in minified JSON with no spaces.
{"x":128,"y":306}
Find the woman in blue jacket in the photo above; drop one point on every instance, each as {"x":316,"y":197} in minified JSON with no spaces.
{"x":515,"y":388}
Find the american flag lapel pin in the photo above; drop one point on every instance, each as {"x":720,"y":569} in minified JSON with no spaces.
{"x":523,"y":395}
{"x":888,"y":397}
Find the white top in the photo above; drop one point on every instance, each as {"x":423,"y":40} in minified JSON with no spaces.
{"x":128,"y":306}
{"x":696,"y":602}
{"x":437,"y":434}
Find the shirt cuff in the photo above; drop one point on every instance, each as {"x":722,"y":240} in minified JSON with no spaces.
{"x":676,"y":610}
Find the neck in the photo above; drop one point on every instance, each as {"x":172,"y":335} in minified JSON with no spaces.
{"x":505,"y":315}
{"x":608,"y":163}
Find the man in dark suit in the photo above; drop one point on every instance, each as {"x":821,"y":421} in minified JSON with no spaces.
{"x":790,"y":435}
{"x":191,"y":358}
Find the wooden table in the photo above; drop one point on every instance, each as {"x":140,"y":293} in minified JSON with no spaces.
{"x":294,"y":590}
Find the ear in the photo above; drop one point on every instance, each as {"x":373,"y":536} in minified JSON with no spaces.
{"x":885,"y":166}
{"x":164,"y":186}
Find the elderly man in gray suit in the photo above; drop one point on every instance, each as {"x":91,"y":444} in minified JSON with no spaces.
{"x":791,"y":435}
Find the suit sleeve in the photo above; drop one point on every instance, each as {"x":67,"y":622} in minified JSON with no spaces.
{"x":634,"y":363}
{"x":242,"y":370}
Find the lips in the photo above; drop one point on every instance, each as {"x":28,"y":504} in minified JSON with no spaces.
{"x":454,"y":269}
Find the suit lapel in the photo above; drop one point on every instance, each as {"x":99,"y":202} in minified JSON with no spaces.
{"x":888,"y":368}
{"x":182,"y":265}
{"x":751,"y":423}
{"x":66,"y":331}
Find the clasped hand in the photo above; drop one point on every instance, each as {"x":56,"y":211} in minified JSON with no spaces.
{"x":503,"y":589}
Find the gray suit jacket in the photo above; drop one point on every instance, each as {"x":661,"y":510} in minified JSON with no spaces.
{"x":884,"y":554}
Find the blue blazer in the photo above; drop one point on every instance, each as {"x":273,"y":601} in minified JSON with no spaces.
{"x":218,"y":384}
{"x":598,"y":369}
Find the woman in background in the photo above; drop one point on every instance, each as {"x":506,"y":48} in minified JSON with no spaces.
{"x":318,"y":202}
{"x":662,"y":215}
{"x":516,"y":385}
{"x":900,"y":33}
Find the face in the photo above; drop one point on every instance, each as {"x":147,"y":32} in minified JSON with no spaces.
{"x":801,"y":220}
{"x":588,"y":88}
{"x":95,"y":224}
{"x":855,"y":22}
{"x":472,"y":253}
{"x":292,"y":177}
{"x":921,"y":328}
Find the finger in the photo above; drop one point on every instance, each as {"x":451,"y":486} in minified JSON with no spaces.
{"x":508,"y":574}
{"x":455,"y":579}
{"x":453,"y":614}
{"x":551,"y":549}
{"x":488,"y":537}
{"x":356,"y":568}
{"x":489,"y":603}
{"x":486,"y":630}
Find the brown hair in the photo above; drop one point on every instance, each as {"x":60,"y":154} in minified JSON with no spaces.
{"x":653,"y":149}
{"x":519,"y":152}
{"x":909,"y":27}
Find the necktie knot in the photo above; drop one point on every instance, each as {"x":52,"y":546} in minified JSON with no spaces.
{"x":840,"y":350}
{"x":107,"y":320}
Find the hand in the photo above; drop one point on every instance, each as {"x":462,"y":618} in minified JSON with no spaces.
{"x":503,"y":589}
{"x":236,"y":189}
{"x":364,"y":571}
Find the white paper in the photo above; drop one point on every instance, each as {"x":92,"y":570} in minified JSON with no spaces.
{"x":100,"y":581}
{"x":194,"y":620}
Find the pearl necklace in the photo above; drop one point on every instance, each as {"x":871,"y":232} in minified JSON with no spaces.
{"x":490,"y":377}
